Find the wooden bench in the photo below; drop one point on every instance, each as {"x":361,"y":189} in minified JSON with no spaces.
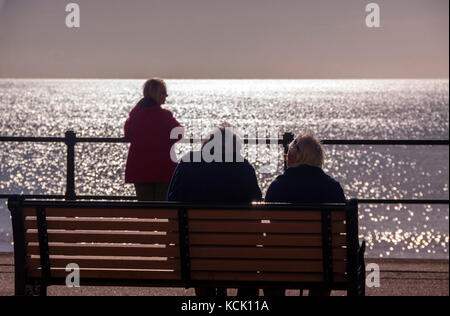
{"x":185,"y":245}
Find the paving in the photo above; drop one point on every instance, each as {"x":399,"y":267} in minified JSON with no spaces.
{"x":399,"y":277}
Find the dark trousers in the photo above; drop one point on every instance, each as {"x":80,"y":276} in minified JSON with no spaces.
{"x":151,"y":191}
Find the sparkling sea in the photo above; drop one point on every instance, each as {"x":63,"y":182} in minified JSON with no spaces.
{"x":331,"y":109}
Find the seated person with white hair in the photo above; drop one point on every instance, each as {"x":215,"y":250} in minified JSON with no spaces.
{"x":305,"y":182}
{"x":219,"y":175}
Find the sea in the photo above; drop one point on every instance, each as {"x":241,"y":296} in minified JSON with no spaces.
{"x":330,"y":109}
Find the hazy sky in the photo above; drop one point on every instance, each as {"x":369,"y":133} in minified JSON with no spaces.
{"x":224,"y":39}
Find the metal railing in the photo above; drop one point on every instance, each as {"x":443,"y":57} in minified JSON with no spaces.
{"x":71,"y":140}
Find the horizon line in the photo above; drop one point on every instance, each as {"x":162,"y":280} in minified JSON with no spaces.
{"x":174,"y":78}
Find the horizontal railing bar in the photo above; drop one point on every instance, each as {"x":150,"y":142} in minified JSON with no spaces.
{"x":403,"y":201}
{"x":100,"y":140}
{"x":32,"y":139}
{"x":133,"y":198}
{"x":35,"y":196}
{"x":418,"y":142}
{"x":388,"y":142}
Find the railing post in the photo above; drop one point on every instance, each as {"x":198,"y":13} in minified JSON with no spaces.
{"x":287,"y":139}
{"x":70,"y":140}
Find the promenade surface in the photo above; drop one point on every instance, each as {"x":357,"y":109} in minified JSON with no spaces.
{"x":398,"y":278}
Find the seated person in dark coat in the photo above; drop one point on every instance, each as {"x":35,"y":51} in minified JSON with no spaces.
{"x":217,"y":174}
{"x":305,"y":182}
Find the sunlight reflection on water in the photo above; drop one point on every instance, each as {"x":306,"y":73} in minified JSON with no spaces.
{"x":334,"y":109}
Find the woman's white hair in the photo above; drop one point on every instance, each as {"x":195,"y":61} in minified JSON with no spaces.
{"x":306,"y":150}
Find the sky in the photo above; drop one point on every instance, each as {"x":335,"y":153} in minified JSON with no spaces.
{"x":224,"y":39}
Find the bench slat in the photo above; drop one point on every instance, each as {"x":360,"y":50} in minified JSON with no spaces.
{"x":254,"y":215}
{"x":104,"y":224}
{"x":300,"y":240}
{"x":254,"y":227}
{"x":338,"y":216}
{"x":112,"y":274}
{"x":106,"y":250}
{"x":107,"y":263}
{"x":339,"y":267}
{"x":195,"y":239}
{"x":262,"y":215}
{"x":264,"y":253}
{"x":253,"y":276}
{"x":257,"y":265}
{"x":105,"y":237}
{"x":193,"y":214}
{"x":339,"y":227}
{"x":100,"y":212}
{"x":264,"y":266}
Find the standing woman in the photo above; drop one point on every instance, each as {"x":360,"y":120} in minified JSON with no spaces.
{"x":148,"y":128}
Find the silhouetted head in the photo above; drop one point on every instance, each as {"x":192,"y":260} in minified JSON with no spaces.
{"x":305,"y":150}
{"x":156,"y":90}
{"x":225,"y":139}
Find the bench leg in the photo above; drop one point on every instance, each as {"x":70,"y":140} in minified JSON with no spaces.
{"x":20,"y":290}
{"x":362,"y":270}
{"x":221,"y":292}
{"x":359,"y":286}
{"x":361,"y":290}
{"x":352,"y":291}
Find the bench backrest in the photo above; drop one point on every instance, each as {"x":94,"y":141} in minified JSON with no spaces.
{"x":170,"y":244}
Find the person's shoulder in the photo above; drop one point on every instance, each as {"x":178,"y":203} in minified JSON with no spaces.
{"x":280,"y":180}
{"x":335,"y":186}
{"x":134,"y":110}
{"x":169,"y":117}
{"x":247,"y":164}
{"x":283,"y":176}
{"x":331,"y":180}
{"x":190,"y":158}
{"x":246,"y":167}
{"x":185,"y":163}
{"x":167,"y":113}
{"x":276,"y":189}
